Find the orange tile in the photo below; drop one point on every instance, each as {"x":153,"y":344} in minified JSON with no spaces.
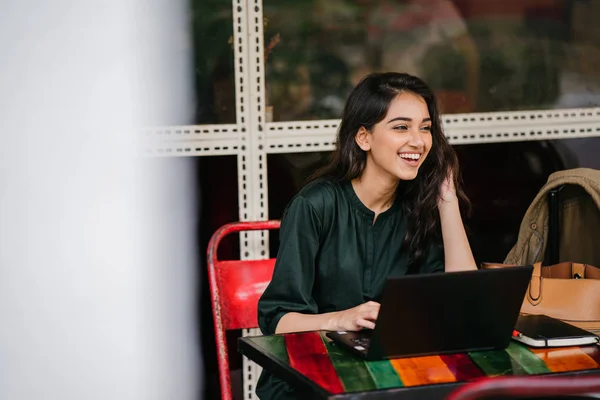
{"x":562,"y":359}
{"x":422,"y":370}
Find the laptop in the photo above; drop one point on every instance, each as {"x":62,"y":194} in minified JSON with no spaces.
{"x":441,"y":313}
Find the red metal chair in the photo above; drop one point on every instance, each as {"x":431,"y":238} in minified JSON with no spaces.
{"x":235,"y":287}
{"x":548,"y":387}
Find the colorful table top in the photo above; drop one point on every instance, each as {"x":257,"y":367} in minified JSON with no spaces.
{"x":331,"y":370}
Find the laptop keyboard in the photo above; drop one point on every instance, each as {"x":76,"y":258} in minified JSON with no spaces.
{"x":364,"y":342}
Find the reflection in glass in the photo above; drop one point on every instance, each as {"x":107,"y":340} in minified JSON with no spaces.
{"x":212,"y":27}
{"x":478,"y":56}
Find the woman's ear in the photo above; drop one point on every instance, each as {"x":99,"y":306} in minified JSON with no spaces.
{"x":363,"y":138}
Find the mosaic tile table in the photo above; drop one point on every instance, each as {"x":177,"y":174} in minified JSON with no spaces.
{"x":322,"y":369}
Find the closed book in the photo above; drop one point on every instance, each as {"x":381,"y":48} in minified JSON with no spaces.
{"x":545,"y":331}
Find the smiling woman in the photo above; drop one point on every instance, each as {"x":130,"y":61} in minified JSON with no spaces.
{"x":386,"y":204}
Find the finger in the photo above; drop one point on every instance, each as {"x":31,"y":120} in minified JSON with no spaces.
{"x":370,"y":315}
{"x":374,"y":314}
{"x":365,"y":323}
{"x":374,"y":309}
{"x":371,"y":305}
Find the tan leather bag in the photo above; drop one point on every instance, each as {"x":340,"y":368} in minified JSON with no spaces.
{"x":567,"y":291}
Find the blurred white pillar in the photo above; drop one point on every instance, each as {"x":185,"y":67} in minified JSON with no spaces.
{"x":97,"y":248}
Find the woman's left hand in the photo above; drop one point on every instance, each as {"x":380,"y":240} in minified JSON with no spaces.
{"x":447,"y":190}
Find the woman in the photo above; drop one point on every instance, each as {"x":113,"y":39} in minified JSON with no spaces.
{"x":387,"y":204}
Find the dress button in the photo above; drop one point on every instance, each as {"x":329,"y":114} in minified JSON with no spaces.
{"x":534,"y":226}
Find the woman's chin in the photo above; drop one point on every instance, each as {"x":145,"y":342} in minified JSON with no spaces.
{"x":407,"y":175}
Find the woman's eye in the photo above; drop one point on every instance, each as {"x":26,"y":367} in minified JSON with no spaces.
{"x":401,"y":127}
{"x":426,"y":128}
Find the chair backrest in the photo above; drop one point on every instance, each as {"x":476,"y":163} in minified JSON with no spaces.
{"x":235,"y":288}
{"x":513,"y":387}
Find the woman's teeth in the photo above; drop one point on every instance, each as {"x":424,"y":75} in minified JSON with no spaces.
{"x":415,"y":156}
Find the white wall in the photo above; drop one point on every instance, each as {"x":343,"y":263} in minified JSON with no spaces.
{"x":97,"y":257}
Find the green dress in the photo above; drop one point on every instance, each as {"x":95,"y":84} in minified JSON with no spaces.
{"x":332,"y":257}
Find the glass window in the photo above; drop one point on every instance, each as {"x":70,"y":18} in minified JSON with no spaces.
{"x":478,"y":56}
{"x":501,"y":180}
{"x":214,"y":80}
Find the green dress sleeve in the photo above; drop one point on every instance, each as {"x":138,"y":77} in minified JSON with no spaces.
{"x":291,"y":287}
{"x":434,"y":261}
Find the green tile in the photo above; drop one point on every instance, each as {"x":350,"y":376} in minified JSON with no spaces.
{"x":351,"y":370}
{"x":275,"y":345}
{"x":531,"y":363}
{"x":497,"y":363}
{"x":384,"y":374}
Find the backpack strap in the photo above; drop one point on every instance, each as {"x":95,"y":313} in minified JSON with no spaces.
{"x":553,"y":226}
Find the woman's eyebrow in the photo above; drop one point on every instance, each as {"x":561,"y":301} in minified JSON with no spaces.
{"x":407,"y":119}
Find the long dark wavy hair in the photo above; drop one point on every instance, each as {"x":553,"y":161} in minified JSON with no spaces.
{"x":368,"y":104}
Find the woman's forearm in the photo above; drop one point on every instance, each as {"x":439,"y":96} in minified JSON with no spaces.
{"x":353,"y":319}
{"x":458,"y":254}
{"x":296,"y":322}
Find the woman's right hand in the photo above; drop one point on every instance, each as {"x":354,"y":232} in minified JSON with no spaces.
{"x":356,"y":318}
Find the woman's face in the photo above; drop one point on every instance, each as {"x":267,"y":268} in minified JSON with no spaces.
{"x":398,"y":145}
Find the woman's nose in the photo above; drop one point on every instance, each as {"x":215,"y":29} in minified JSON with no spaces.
{"x":416,"y":139}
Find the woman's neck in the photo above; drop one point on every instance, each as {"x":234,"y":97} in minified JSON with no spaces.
{"x":375,"y":192}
